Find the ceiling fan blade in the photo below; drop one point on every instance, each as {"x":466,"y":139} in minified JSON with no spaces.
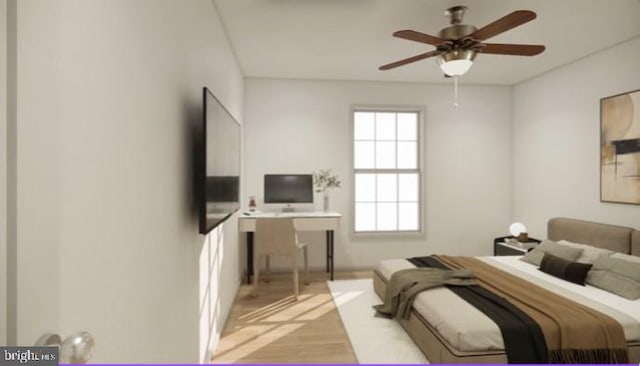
{"x":511,"y":49}
{"x":503,"y":24}
{"x":419,"y":37}
{"x":409,"y":60}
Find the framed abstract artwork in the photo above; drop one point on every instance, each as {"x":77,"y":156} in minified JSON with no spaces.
{"x":620,"y":148}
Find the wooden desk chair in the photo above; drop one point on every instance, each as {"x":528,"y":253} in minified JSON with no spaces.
{"x":278,"y":236}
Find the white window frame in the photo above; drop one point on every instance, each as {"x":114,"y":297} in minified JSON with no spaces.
{"x":421,"y":111}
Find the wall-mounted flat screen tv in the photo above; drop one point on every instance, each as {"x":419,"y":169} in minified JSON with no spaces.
{"x":219,"y":177}
{"x":288,"y":188}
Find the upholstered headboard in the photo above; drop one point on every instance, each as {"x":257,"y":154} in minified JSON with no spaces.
{"x":617,"y":238}
{"x":635,"y":243}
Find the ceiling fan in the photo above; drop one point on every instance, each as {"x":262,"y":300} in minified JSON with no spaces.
{"x":458,"y":44}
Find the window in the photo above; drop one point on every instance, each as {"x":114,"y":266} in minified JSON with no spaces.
{"x":387,"y":170}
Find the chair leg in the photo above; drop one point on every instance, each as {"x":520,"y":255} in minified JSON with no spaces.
{"x":256,"y":272}
{"x":268,"y":270}
{"x":306,"y":265}
{"x":296,"y":290}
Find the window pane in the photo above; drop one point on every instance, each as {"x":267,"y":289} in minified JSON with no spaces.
{"x":365,"y":219}
{"x":363,"y":125}
{"x":408,"y":187}
{"x":365,"y":187}
{"x":385,"y":126}
{"x":387,"y":216}
{"x":387,"y":187}
{"x":407,"y":155}
{"x":408,"y":216}
{"x":385,"y":155}
{"x":408,"y":126}
{"x":363,"y":154}
{"x":387,"y":183}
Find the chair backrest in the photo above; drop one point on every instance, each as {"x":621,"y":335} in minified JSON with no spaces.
{"x":275,"y":236}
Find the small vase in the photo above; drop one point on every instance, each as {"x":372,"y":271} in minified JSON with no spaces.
{"x":325,"y":202}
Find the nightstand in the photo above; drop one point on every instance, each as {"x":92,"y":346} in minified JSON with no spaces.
{"x":501,"y":247}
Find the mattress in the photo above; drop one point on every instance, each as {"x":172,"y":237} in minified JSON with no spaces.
{"x":467,"y":329}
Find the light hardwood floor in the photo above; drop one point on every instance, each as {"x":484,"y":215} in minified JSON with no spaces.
{"x":274,"y":328}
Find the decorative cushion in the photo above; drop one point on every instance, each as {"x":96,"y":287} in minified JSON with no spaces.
{"x":562,"y":251}
{"x":626,"y":257}
{"x":616,"y":275}
{"x":589,"y":252}
{"x":571,"y":271}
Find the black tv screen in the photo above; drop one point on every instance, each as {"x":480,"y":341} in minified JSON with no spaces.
{"x":222,"y":189}
{"x":288,"y":188}
{"x":219,"y":165}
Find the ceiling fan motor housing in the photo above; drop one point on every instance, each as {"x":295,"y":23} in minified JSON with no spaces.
{"x":457,"y":54}
{"x":457,"y":31}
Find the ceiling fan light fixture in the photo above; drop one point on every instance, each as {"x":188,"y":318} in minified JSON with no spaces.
{"x":456,"y":62}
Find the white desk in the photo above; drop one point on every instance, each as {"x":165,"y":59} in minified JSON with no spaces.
{"x":303,"y":221}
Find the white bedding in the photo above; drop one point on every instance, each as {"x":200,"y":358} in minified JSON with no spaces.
{"x":468,"y":329}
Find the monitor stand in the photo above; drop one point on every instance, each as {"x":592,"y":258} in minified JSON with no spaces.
{"x":288,"y":209}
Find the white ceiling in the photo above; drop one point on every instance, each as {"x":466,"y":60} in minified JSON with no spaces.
{"x":350,"y":39}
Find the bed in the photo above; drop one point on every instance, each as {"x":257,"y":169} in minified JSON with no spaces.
{"x":446,"y":336}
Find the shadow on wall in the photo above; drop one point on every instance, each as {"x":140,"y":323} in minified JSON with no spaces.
{"x":193,"y":135}
{"x":211,"y":252}
{"x":218,"y":255}
{"x":210,"y":269}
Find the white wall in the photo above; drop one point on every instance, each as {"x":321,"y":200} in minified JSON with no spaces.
{"x":108,"y":94}
{"x":3,"y":172}
{"x":556,"y":140}
{"x":298,"y":126}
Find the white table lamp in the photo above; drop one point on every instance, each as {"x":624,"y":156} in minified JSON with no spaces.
{"x":518,"y":230}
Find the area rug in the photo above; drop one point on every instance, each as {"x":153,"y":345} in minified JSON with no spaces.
{"x":374,"y":340}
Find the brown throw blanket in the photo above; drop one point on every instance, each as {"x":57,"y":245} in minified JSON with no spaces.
{"x":404,"y":285}
{"x":574,"y":333}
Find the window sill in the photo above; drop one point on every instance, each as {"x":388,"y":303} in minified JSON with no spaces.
{"x":404,"y":235}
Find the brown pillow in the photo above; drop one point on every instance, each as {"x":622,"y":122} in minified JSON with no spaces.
{"x":571,"y":271}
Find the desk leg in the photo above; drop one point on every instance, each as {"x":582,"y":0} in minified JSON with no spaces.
{"x":249,"y":256}
{"x":330,"y":253}
{"x":328,"y":240}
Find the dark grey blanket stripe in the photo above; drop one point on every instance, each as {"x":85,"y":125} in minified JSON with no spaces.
{"x":523,"y":339}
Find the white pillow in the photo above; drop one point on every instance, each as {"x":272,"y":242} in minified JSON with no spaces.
{"x":627,"y":257}
{"x":589,"y":252}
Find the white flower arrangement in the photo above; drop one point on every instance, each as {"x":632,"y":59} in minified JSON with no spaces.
{"x":323,"y":180}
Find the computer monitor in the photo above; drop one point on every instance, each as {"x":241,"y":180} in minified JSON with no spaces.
{"x":288,"y":188}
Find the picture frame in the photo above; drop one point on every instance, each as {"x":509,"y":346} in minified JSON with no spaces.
{"x":620,"y":148}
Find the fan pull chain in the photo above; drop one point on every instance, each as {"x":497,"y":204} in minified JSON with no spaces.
{"x":455,"y":91}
